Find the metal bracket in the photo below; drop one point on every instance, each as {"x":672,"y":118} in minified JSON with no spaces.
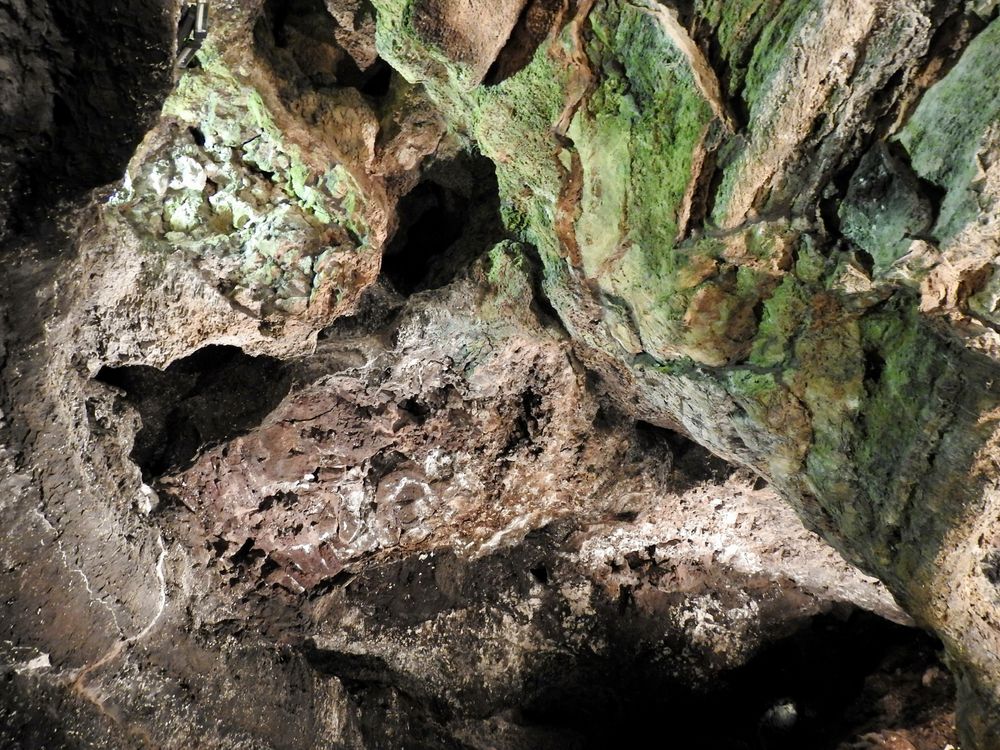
{"x":191,"y":32}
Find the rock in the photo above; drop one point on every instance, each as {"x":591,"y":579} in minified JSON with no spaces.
{"x":445,"y":374}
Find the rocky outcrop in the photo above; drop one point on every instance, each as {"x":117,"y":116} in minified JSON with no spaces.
{"x":370,"y":407}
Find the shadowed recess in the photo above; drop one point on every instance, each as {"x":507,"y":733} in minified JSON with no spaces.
{"x":213,"y":395}
{"x":302,"y":43}
{"x":447,"y":221}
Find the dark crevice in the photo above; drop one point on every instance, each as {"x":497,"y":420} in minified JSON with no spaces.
{"x":377,"y":80}
{"x":730,"y":65}
{"x":197,"y":136}
{"x":874,"y":367}
{"x":533,"y":26}
{"x":201,"y":400}
{"x":540,"y":573}
{"x":865,"y":260}
{"x":299,"y":40}
{"x":703,"y":194}
{"x":527,"y":424}
{"x":445,"y":223}
{"x":691,"y":461}
{"x":833,"y":195}
{"x":935,"y":195}
{"x":991,"y":567}
{"x":417,"y":410}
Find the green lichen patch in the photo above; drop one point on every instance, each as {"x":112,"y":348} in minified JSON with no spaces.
{"x":884,"y":208}
{"x":768,"y":402}
{"x":910,"y":393}
{"x":956,"y":120}
{"x":511,"y":284}
{"x":221,"y":184}
{"x":784,"y":314}
{"x":772,"y":46}
{"x":512,"y":124}
{"x":638,"y":134}
{"x":751,"y":37}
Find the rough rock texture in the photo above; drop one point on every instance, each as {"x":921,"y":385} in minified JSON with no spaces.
{"x":79,"y":87}
{"x":370,"y":406}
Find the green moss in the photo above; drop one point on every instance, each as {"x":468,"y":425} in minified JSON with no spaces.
{"x":908,"y":380}
{"x":506,"y":259}
{"x":949,"y":127}
{"x":756,"y":387}
{"x":512,"y":124}
{"x":811,"y":265}
{"x":742,"y":28}
{"x":784,"y":314}
{"x":648,"y":100}
{"x":771,"y":48}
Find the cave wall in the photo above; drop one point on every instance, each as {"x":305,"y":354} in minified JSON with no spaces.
{"x":80,"y":87}
{"x":419,"y":278}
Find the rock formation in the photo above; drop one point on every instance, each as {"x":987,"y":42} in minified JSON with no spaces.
{"x":426,"y":373}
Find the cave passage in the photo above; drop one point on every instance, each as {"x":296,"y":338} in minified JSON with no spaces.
{"x":824,"y":685}
{"x":447,"y":221}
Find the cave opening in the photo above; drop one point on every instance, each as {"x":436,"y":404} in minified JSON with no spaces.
{"x":836,"y":678}
{"x":451,"y":218}
{"x":213,"y":395}
{"x":304,"y":46}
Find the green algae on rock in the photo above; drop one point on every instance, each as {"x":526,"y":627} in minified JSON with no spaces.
{"x":225,"y":187}
{"x":668,"y":239}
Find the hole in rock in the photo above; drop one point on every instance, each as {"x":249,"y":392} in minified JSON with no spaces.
{"x":827,"y":683}
{"x":376,"y":80}
{"x":693,"y":462}
{"x":874,"y":366}
{"x":447,"y":221}
{"x":991,"y":567}
{"x":197,"y":135}
{"x":205,"y":398}
{"x":301,"y":42}
{"x":540,"y":573}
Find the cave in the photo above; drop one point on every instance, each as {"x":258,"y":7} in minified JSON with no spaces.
{"x":447,"y":221}
{"x":500,"y":374}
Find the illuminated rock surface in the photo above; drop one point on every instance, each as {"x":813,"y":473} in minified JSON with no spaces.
{"x":461,"y":374}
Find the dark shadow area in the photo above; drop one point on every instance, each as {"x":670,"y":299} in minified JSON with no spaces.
{"x":445,"y":223}
{"x":533,"y":26}
{"x":27,"y":727}
{"x":814,"y":689}
{"x":299,"y":40}
{"x":829,"y":680}
{"x":84,"y":85}
{"x":211,"y":396}
{"x":693,"y":462}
